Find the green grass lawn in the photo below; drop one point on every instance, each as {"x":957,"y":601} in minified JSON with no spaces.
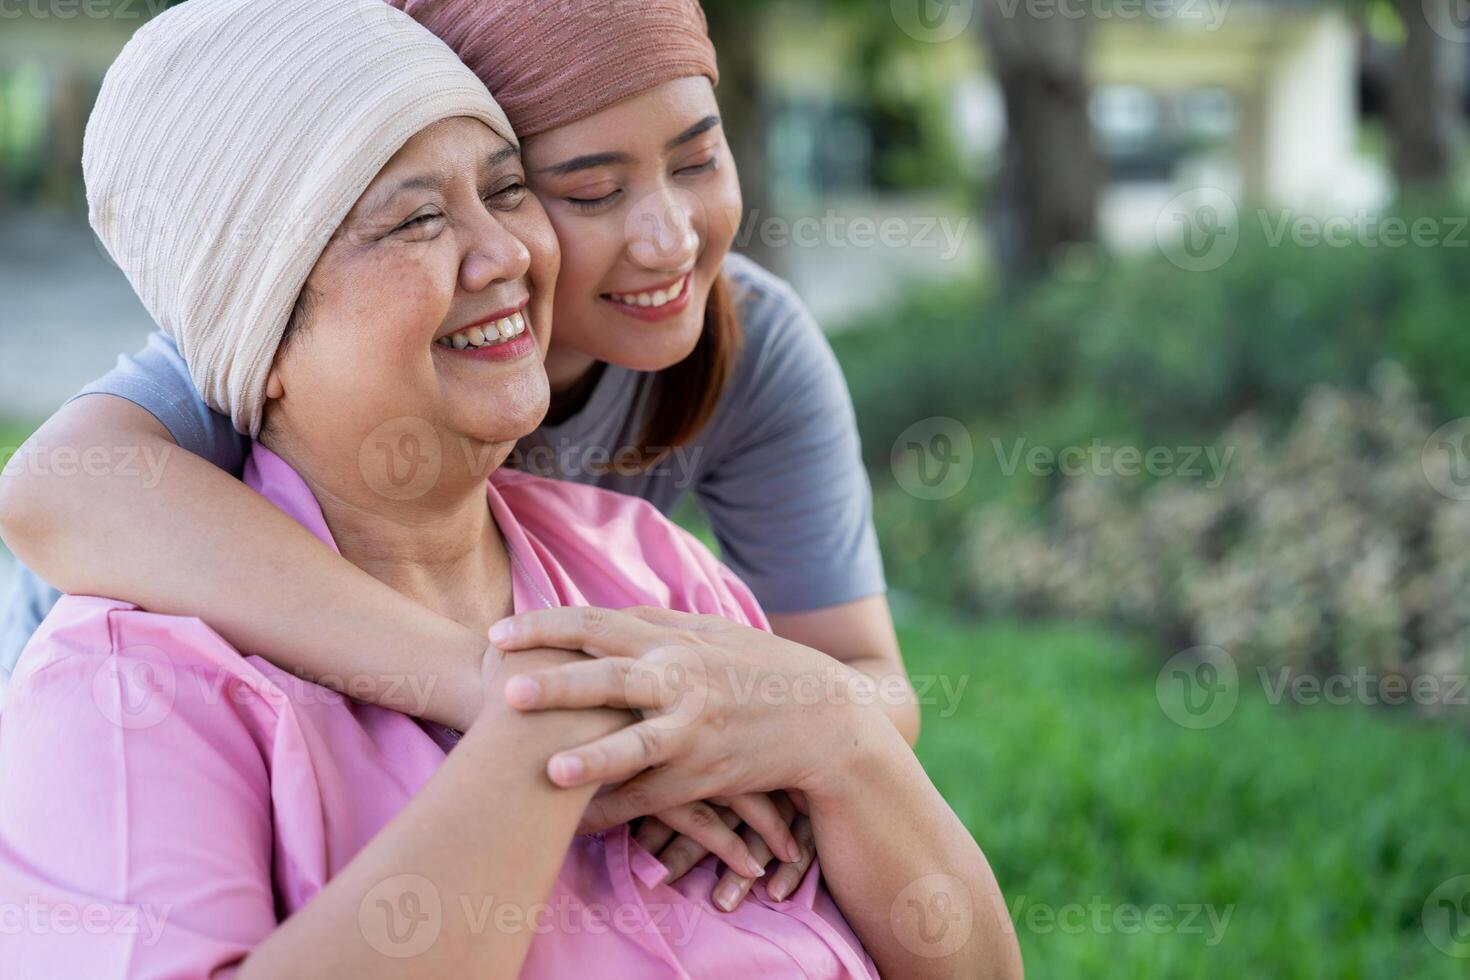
{"x":1320,"y":831}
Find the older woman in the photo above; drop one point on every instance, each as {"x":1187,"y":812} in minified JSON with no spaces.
{"x":347,"y":256}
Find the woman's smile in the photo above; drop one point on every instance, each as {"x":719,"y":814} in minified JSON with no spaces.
{"x":503,"y":336}
{"x":657,"y":303}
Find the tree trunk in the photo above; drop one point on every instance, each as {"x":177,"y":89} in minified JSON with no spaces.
{"x":1422,"y":100}
{"x":1051,"y":174}
{"x":735,"y":28}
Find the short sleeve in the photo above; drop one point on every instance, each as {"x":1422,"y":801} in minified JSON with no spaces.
{"x":788,"y":499}
{"x":135,"y":808}
{"x":157,"y":380}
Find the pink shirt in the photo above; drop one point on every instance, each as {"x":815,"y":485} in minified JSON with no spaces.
{"x":166,"y":802}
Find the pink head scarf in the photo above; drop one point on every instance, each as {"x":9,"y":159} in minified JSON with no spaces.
{"x":549,"y":64}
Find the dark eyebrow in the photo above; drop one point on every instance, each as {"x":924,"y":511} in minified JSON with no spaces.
{"x":436,"y":182}
{"x":585,"y":162}
{"x":703,"y":126}
{"x":502,"y":155}
{"x":590,"y":160}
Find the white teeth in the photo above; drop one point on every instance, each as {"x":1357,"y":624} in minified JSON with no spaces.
{"x":657,"y":298}
{"x":487,"y":334}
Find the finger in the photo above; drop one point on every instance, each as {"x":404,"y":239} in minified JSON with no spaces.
{"x":798,"y":800}
{"x":613,"y":683}
{"x":772,"y":821}
{"x":708,"y":827}
{"x":600,"y":632}
{"x":659,"y":616}
{"x":653,"y":834}
{"x":646,"y":793}
{"x":685,"y":852}
{"x":619,"y":756}
{"x":732,"y":887}
{"x":786,"y":877}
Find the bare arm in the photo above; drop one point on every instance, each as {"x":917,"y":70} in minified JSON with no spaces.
{"x":461,"y":835}
{"x":165,"y":534}
{"x":860,"y":634}
{"x":926,"y":903}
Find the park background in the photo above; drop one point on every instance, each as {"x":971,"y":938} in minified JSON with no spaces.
{"x":1155,"y":318}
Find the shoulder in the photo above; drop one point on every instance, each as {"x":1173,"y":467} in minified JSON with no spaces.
{"x":124,"y":660}
{"x":788,"y":379}
{"x":771,"y":311}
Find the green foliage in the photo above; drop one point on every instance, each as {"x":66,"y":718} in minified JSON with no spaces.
{"x":1141,"y":352}
{"x":1170,"y":350}
{"x":1326,"y":829}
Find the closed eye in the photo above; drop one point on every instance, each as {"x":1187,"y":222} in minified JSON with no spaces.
{"x":594,"y":202}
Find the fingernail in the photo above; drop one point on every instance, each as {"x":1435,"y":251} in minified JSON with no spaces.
{"x":793,"y":852}
{"x":522,"y":690}
{"x":753,"y":868}
{"x":500,"y":632}
{"x":778,"y":891}
{"x":567,"y":769}
{"x":727,"y":896}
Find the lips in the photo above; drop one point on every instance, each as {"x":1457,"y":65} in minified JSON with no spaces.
{"x":668,"y":300}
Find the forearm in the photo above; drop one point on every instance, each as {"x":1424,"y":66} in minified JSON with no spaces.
{"x":894,"y":693}
{"x":860,"y":635}
{"x":912,"y":899}
{"x":186,"y":538}
{"x":487,"y":828}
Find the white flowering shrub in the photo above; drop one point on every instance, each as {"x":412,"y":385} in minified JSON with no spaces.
{"x":1326,"y":548}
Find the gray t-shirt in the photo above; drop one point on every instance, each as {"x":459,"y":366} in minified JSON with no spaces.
{"x":777,"y":471}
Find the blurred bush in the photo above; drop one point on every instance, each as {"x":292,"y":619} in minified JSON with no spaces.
{"x":1326,"y":550}
{"x":1164,"y":351}
{"x":1137,"y":351}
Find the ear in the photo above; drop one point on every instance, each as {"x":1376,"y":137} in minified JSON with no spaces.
{"x":274,"y":386}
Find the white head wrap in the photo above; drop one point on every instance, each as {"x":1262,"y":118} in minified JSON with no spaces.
{"x":229,"y":141}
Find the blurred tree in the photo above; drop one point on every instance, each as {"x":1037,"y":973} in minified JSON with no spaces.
{"x":735,"y":27}
{"x":1051,"y":173}
{"x":1423,"y":96}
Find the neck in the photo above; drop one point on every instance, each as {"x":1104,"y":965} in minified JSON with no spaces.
{"x":442,"y":549}
{"x":573,"y":376}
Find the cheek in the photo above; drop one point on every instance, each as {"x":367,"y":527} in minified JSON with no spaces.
{"x":721,"y":206}
{"x":398,"y":300}
{"x":590,"y":249}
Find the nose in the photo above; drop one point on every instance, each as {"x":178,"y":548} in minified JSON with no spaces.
{"x":494,"y":255}
{"x":661,"y":232}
